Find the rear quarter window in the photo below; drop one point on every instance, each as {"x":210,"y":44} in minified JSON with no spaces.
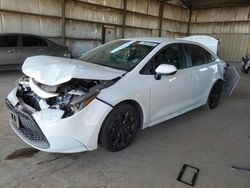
{"x":196,"y":55}
{"x":208,"y":57}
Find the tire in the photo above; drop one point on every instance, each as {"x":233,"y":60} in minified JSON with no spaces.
{"x":246,"y":71}
{"x":214,"y":95}
{"x":119,"y":128}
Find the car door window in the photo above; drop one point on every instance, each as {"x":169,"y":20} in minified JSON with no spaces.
{"x":196,"y":55}
{"x":30,"y":41}
{"x":173,"y":55}
{"x":8,"y":41}
{"x":208,"y":57}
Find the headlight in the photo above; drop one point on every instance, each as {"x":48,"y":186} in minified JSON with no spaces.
{"x":81,"y":102}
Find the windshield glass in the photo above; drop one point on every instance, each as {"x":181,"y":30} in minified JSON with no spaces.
{"x":122,"y":54}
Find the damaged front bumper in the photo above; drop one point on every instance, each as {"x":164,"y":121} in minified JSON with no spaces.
{"x":46,"y":130}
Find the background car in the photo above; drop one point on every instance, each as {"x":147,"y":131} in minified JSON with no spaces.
{"x":16,"y":47}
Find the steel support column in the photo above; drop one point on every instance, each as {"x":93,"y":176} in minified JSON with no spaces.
{"x":161,"y":11}
{"x":124,"y":14}
{"x":63,"y":22}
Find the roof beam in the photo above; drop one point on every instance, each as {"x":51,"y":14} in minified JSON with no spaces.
{"x":197,"y":4}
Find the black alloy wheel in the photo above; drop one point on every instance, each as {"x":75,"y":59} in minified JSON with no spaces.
{"x":119,"y":128}
{"x":215,"y":95}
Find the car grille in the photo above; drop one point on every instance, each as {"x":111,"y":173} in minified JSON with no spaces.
{"x":28,"y":128}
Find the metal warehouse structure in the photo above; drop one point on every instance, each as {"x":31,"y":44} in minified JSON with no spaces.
{"x":84,"y":24}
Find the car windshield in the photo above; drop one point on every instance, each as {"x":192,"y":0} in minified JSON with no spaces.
{"x":121,"y":54}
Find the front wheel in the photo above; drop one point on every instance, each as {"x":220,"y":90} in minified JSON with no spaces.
{"x":214,"y":95}
{"x":119,"y":128}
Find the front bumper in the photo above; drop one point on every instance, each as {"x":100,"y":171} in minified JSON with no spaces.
{"x":48,"y":132}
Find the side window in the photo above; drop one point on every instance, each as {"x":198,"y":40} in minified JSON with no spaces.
{"x":173,"y":55}
{"x":30,"y":41}
{"x":209,"y":58}
{"x":8,"y":41}
{"x":196,"y":54}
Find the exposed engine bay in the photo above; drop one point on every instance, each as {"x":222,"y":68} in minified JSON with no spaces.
{"x":70,"y":97}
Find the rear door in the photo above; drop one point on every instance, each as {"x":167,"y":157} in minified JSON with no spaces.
{"x":32,"y":46}
{"x":203,"y":65}
{"x":8,"y":50}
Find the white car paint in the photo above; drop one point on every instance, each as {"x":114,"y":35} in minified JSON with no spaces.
{"x":52,"y":71}
{"x":166,"y":69}
{"x":159,"y":100}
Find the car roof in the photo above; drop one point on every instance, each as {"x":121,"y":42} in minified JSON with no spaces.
{"x":26,"y":34}
{"x":50,"y":42}
{"x":167,"y":40}
{"x":156,"y":39}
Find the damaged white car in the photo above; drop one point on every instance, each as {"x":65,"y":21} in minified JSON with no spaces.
{"x":110,"y":93}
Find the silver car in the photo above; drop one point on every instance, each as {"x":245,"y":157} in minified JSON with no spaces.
{"x":16,"y":47}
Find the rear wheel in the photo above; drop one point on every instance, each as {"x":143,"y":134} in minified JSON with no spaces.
{"x":119,"y":128}
{"x":215,"y":95}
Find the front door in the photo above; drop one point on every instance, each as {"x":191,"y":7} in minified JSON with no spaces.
{"x":171,"y":94}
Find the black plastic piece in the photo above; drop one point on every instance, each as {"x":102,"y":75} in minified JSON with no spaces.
{"x":241,"y":168}
{"x":185,"y":166}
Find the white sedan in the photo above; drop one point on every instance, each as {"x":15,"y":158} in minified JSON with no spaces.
{"x":110,"y":93}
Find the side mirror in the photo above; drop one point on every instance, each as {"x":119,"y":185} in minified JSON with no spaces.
{"x":164,"y":69}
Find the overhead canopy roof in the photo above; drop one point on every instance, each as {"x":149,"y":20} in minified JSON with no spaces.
{"x":198,"y":4}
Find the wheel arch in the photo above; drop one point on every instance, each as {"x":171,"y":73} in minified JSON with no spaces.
{"x":218,"y":80}
{"x":131,"y":102}
{"x":211,"y":86}
{"x":215,"y":81}
{"x":137,"y":106}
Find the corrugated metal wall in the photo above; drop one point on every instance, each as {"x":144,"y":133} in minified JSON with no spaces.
{"x":229,"y":24}
{"x":233,"y":46}
{"x":42,"y":17}
{"x":175,"y":21}
{"x":85,"y":20}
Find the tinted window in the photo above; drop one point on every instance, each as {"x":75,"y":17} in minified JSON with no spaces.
{"x":8,"y":41}
{"x":196,"y":54}
{"x":29,"y":41}
{"x":173,"y":55}
{"x":209,"y":58}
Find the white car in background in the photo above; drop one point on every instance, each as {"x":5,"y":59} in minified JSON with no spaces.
{"x":111,"y":92}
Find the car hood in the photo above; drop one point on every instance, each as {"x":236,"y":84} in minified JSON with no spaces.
{"x":55,"y":70}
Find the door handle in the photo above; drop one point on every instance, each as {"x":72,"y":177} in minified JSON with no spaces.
{"x":188,"y":76}
{"x":12,"y":51}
